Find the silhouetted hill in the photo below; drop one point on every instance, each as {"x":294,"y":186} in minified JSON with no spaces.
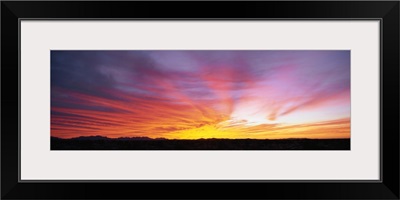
{"x":98,"y":137}
{"x":138,"y":138}
{"x":146,"y":143}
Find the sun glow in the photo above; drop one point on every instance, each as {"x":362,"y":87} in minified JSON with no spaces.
{"x":206,"y":131}
{"x":253,"y":120}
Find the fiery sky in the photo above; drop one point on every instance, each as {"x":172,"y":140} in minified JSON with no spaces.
{"x":201,"y":94}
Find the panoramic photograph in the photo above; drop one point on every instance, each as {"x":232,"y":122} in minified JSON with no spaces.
{"x":200,"y":100}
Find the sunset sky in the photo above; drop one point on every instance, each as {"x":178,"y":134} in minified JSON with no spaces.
{"x":263,"y":94}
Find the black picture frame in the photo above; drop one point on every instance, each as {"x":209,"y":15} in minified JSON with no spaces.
{"x":386,"y":11}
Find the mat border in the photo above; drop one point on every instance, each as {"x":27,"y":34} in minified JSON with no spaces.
{"x":196,"y":180}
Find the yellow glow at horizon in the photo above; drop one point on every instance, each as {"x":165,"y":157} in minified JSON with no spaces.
{"x":207,"y":131}
{"x":254,"y":129}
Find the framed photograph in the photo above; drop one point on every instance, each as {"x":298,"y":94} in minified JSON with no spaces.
{"x":116,"y":99}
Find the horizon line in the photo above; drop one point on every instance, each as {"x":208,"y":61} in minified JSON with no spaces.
{"x":162,"y":138}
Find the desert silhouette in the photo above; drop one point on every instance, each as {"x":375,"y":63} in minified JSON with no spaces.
{"x":145,"y":143}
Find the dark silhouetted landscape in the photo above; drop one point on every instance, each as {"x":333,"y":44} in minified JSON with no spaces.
{"x":145,"y":143}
